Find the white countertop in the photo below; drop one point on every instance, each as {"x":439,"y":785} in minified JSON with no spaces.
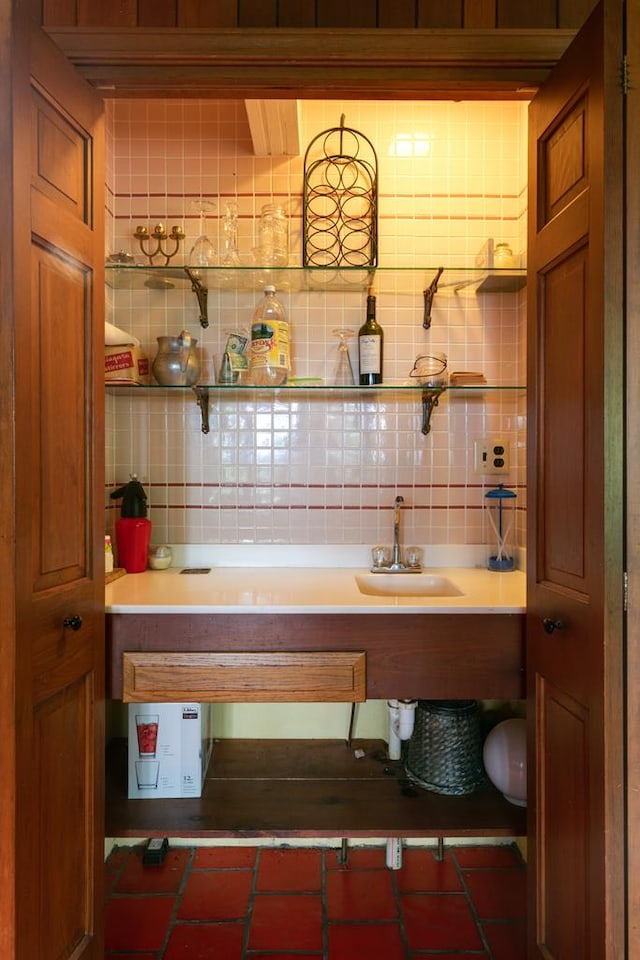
{"x":284,"y":589}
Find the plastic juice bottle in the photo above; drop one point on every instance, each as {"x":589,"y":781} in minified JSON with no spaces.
{"x":270,"y":350}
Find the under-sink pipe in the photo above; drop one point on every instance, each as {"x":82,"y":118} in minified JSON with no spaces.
{"x":394,"y":853}
{"x":401,"y":719}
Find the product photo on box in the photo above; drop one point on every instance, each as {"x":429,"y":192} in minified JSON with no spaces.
{"x":170,"y":747}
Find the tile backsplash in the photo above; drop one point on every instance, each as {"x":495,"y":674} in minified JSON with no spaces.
{"x":303,"y":470}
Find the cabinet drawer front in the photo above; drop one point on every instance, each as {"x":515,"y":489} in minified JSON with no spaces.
{"x":244,"y":677}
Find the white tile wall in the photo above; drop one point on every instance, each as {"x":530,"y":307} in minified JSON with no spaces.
{"x":322,"y":471}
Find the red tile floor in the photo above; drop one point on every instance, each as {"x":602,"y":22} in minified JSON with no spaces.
{"x":248,"y":903}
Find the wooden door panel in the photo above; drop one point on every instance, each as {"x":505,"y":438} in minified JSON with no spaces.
{"x":60,"y":152}
{"x":561,"y":535}
{"x":62,"y":524}
{"x":63,"y":773}
{"x":563,"y":157}
{"x":562,"y":779}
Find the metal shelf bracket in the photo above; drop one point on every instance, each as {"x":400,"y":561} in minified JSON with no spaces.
{"x":201,"y":293}
{"x":202,"y":399}
{"x":430,"y":398}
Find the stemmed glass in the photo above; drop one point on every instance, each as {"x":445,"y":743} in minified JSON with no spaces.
{"x":203,"y":252}
{"x":230,"y":255}
{"x":343,"y":376}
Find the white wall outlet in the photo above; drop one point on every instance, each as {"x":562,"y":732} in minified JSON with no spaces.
{"x":491,"y":456}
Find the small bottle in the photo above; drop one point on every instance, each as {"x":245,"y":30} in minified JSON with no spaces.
{"x":370,"y":345}
{"x":269,"y":356}
{"x":108,"y":554}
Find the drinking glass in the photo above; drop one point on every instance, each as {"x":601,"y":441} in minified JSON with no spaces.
{"x":343,"y":376}
{"x":230,"y":256}
{"x":203,"y":251}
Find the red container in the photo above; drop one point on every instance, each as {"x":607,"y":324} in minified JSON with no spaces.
{"x":133,"y":536}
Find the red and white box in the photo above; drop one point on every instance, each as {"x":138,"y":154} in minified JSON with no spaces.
{"x":170,"y":747}
{"x":126,"y":363}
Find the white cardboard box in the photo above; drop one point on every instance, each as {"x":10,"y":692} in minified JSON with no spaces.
{"x":170,"y":747}
{"x":126,"y":363}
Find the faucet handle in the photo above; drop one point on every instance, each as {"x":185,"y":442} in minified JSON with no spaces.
{"x":380,"y":556}
{"x":413,"y":557}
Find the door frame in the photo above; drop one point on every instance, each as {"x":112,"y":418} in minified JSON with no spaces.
{"x":632,"y":387}
{"x":323,"y":63}
{"x":8,"y":637}
{"x":470,"y":73}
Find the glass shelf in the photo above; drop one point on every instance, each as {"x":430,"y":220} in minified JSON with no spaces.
{"x":386,"y":390}
{"x":427,"y":396}
{"x":408,"y":280}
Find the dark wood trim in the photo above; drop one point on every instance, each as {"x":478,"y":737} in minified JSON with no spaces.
{"x":372,"y":63}
{"x":632,"y":830}
{"x":433,"y":655}
{"x":306,"y":788}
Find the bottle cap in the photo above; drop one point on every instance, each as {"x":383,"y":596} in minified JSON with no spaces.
{"x":269,"y":288}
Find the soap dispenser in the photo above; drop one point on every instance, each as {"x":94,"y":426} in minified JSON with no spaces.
{"x":133,"y":529}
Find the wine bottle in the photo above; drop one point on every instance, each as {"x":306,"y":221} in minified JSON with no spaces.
{"x":370,"y":345}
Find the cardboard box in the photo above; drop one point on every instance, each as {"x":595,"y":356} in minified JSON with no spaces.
{"x":126,"y":363}
{"x":170,"y":747}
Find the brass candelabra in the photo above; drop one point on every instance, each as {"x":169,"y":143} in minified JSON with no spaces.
{"x":154,"y":242}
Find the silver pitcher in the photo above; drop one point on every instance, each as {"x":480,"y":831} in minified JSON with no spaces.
{"x":176,"y":363}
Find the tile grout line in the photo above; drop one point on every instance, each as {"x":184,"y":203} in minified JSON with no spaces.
{"x":398,"y":899}
{"x":252,"y":893}
{"x":472,"y":907}
{"x":178,"y":900}
{"x":323,"y":904}
{"x":118,"y":874}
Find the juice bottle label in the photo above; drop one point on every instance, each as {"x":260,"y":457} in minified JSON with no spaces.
{"x":270,"y":345}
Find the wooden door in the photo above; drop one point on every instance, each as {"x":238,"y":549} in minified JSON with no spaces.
{"x":53,"y":724}
{"x":575,"y":581}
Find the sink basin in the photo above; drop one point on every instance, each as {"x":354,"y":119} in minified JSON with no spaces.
{"x":406,"y":585}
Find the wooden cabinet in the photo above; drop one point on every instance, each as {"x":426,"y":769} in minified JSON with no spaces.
{"x":440,"y":656}
{"x":318,"y":787}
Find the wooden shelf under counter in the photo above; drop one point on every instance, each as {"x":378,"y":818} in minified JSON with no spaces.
{"x":305,"y":788}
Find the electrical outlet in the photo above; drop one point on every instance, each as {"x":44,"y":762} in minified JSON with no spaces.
{"x":491,"y":456}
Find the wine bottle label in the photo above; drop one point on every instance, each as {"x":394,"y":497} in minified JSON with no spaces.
{"x":370,"y":346}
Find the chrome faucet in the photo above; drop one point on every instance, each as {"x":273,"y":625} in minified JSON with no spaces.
{"x":396,"y":559}
{"x":396,"y":564}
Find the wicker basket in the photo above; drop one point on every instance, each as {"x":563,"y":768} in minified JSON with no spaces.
{"x":444,"y":753}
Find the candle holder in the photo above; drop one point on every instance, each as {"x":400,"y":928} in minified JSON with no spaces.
{"x":154,"y":242}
